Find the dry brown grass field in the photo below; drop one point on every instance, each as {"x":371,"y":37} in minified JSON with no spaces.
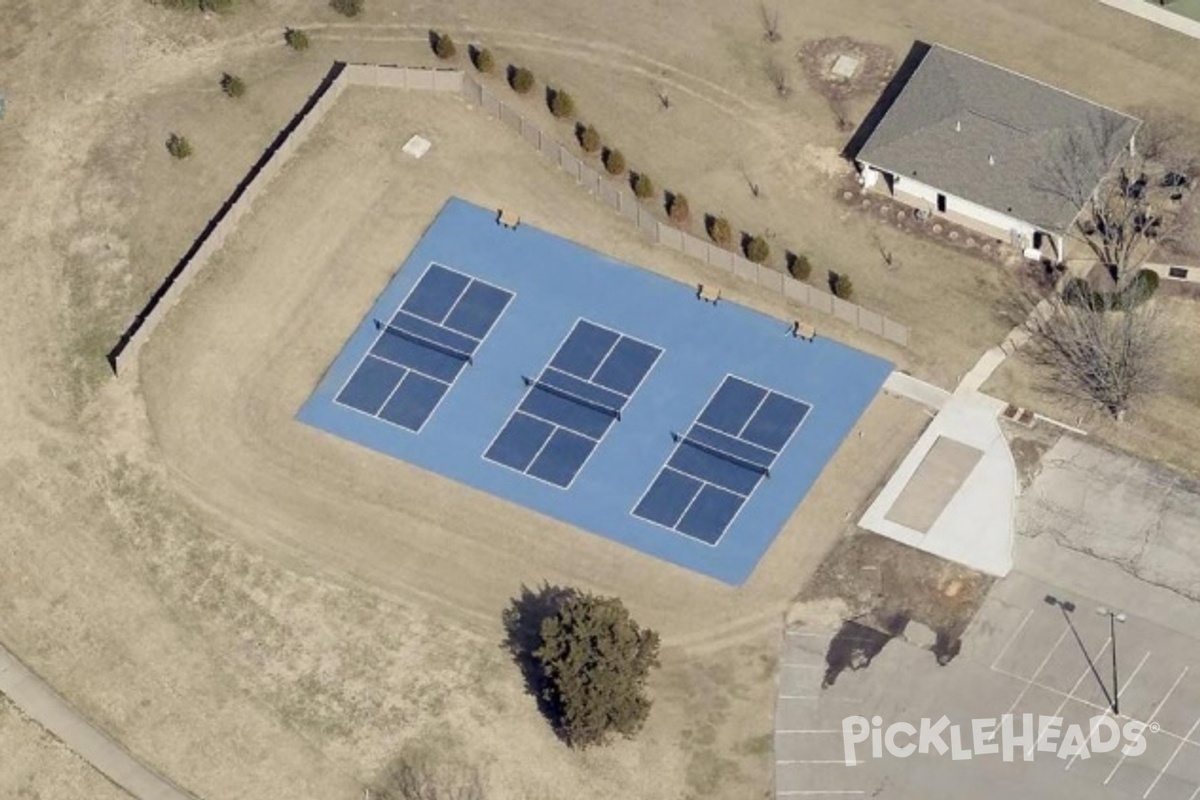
{"x":260,"y":610}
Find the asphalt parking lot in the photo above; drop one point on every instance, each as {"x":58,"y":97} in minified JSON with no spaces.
{"x":1022,"y":655}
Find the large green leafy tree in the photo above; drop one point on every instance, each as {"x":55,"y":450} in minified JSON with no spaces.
{"x":595,"y":660}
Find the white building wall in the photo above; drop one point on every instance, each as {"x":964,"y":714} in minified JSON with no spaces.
{"x":957,"y":205}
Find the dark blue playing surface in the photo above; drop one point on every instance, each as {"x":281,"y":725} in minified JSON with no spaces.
{"x":573,"y":403}
{"x":424,"y":348}
{"x":595,"y":393}
{"x":724,"y":456}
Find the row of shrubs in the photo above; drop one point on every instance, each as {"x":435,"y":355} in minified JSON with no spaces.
{"x":560,"y":103}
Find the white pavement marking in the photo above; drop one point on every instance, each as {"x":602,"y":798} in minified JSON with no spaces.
{"x":1120,"y":694}
{"x":798,"y":792}
{"x":1071,"y":694}
{"x":809,"y":730}
{"x":1187,"y":737}
{"x":1012,"y":638}
{"x":1033,"y":678}
{"x":817,"y":761}
{"x":1153,"y":714}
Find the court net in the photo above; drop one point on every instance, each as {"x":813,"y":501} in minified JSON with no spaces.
{"x":416,"y":338}
{"x":608,"y":411}
{"x":744,"y":463}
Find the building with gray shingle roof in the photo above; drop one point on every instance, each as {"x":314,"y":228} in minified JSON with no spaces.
{"x":992,"y":149}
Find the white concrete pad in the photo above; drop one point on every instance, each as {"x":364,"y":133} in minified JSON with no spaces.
{"x":845,"y":66}
{"x":976,"y":527}
{"x":904,"y":385}
{"x":417,"y":146}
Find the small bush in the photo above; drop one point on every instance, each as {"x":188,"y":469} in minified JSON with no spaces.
{"x":296,"y":39}
{"x":643,"y":187}
{"x":481,"y":57}
{"x":347,"y":8}
{"x":614,"y":161}
{"x":1142,"y":287}
{"x":798,"y":266}
{"x":178,"y":146}
{"x":232,"y":85}
{"x":757,"y":249}
{"x":840,"y":285}
{"x":589,"y":138}
{"x":561,"y":104}
{"x":677,"y":208}
{"x":720,"y":231}
{"x":520,"y":79}
{"x":443,"y":46}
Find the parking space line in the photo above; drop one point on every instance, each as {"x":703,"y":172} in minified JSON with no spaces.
{"x":1186,"y":738}
{"x":810,"y":730}
{"x":817,"y":761}
{"x":1153,"y":714}
{"x":799,"y":792}
{"x":1120,"y":693}
{"x":1071,"y":694}
{"x":1012,"y":638}
{"x":1030,"y":681}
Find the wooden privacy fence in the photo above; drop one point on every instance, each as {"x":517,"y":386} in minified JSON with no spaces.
{"x":616,"y":196}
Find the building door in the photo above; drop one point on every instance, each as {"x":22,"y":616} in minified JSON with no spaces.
{"x":941,"y":204}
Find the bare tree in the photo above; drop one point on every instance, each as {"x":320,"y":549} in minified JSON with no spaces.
{"x":755,"y":189}
{"x":1108,"y":349}
{"x":777,"y":74}
{"x":1141,"y":203}
{"x":414,"y":779}
{"x":770,"y":22}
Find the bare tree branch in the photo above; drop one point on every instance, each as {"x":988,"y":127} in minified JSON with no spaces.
{"x":770,"y":22}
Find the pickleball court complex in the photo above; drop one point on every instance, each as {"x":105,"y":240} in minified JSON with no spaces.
{"x":594,"y":392}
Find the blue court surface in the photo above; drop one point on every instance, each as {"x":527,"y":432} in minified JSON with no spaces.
{"x":594,"y":392}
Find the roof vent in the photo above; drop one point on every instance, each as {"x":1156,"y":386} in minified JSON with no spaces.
{"x":958,"y":126}
{"x":991,"y":161}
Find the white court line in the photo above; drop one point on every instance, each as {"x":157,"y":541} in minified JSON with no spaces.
{"x":1153,"y":714}
{"x":1012,"y":638}
{"x":1186,"y":738}
{"x":1120,"y":693}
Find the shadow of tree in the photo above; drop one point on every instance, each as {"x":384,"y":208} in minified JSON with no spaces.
{"x":523,"y":636}
{"x":855,"y":645}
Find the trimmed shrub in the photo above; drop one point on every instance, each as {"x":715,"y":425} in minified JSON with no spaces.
{"x":614,"y":161}
{"x":798,"y":266}
{"x":481,"y":57}
{"x":589,"y":138}
{"x":232,"y":85}
{"x":840,"y":285}
{"x":757,"y":249}
{"x":561,"y":104}
{"x":520,"y":79}
{"x":643,"y":187}
{"x":296,"y":39}
{"x":1142,"y":287}
{"x":677,"y":208}
{"x":720,"y":231}
{"x":178,"y":146}
{"x":443,"y":46}
{"x":347,"y":8}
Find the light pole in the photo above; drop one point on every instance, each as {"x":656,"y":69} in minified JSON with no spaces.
{"x":1113,"y":618}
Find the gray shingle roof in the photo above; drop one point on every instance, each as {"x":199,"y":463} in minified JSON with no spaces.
{"x":997,"y":138}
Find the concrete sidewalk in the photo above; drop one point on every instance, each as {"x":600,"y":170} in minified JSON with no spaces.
{"x":1157,"y":15}
{"x":43,"y":705}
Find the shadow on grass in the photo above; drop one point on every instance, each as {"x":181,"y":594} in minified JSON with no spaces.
{"x":523,"y":636}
